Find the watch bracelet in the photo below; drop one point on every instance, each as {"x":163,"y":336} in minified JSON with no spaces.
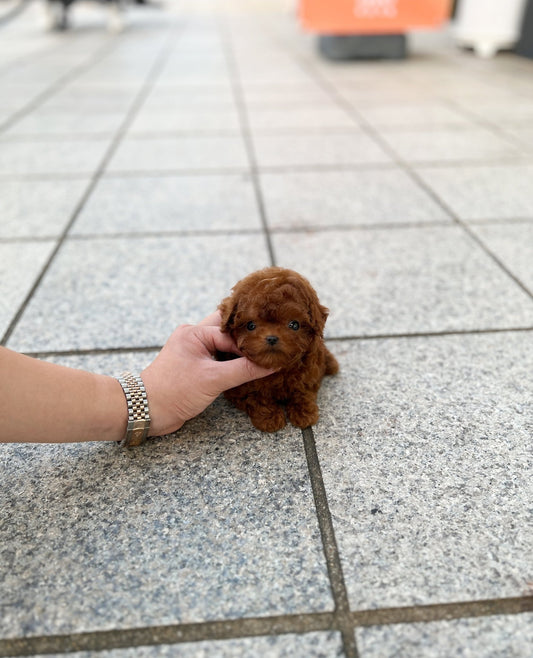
{"x":138,"y":412}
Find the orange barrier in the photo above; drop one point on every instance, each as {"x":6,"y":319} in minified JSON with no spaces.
{"x":372,"y":16}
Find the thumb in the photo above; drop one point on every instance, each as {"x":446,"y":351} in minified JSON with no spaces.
{"x":242,"y":370}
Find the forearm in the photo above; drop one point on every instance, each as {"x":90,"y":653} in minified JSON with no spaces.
{"x":45,"y":403}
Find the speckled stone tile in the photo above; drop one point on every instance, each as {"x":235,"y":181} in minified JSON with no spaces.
{"x":449,"y":145}
{"x":425,"y":447}
{"x":20,"y":265}
{"x":200,"y":73}
{"x":350,"y":148}
{"x":518,"y":110}
{"x":318,"y":117}
{"x":106,"y":363}
{"x":481,"y":193}
{"x":407,"y":280}
{"x":422,"y":115}
{"x":522,"y":135}
{"x":273,"y":69}
{"x":180,"y":154}
{"x":309,"y":645}
{"x":164,"y":204}
{"x":67,"y":123}
{"x":513,"y":245}
{"x":37,"y":208}
{"x":273,"y":95}
{"x":346,"y":198}
{"x":125,"y":292}
{"x":85,"y":100}
{"x":214,"y":522}
{"x":58,"y":157}
{"x":219,"y":120}
{"x":188,"y":97}
{"x":490,"y":637}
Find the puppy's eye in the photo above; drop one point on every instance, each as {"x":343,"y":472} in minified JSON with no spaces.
{"x":294,"y":325}
{"x":250,"y":326}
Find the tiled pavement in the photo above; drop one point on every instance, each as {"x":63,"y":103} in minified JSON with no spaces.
{"x":141,"y":175}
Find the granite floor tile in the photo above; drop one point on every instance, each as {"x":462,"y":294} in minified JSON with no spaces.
{"x":215,"y":522}
{"x":405,"y":280}
{"x":130,"y":291}
{"x":261,"y":96}
{"x":285,"y":72}
{"x":5,"y":115}
{"x":180,"y":154}
{"x":308,"y":645}
{"x":86,"y":101}
{"x":37,"y":208}
{"x":107,"y":363}
{"x":51,"y":157}
{"x":417,"y":116}
{"x":353,"y":148}
{"x":513,"y":245}
{"x":522,"y":136}
{"x":494,"y":637}
{"x":189,"y":97}
{"x":481,"y":192}
{"x":223,"y":120}
{"x":346,"y":198}
{"x":17,"y":94}
{"x":166,"y":204}
{"x":20,"y":265}
{"x":199,"y":75}
{"x":501,"y":112}
{"x":318,"y":117}
{"x":75,"y":124}
{"x":425,"y":447}
{"x":450,"y":145}
{"x":380,"y":90}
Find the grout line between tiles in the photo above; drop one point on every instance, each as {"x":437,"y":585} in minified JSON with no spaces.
{"x":266,"y":169}
{"x":246,"y":132}
{"x":275,"y":230}
{"x":95,"y":641}
{"x":59,"y":84}
{"x":468,"y":230}
{"x":170,"y":634}
{"x":443,"y":611}
{"x":96,"y":351}
{"x":431,"y":334}
{"x":134,"y":108}
{"x":329,"y":542}
{"x":406,"y":167}
{"x":21,"y":6}
{"x":492,"y":126}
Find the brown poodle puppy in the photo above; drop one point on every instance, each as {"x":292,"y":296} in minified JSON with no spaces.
{"x":276,"y":320}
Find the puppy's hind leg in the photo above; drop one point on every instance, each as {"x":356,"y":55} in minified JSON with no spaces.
{"x":267,"y":418}
{"x":302,"y":410}
{"x":266,"y":415}
{"x":332,"y":365}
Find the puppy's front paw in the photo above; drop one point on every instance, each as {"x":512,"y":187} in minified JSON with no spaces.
{"x":303,"y":415}
{"x":268,"y":419}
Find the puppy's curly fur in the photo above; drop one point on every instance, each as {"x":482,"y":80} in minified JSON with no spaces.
{"x":276,"y":320}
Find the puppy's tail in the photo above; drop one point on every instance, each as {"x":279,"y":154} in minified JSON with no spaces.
{"x":332,"y":365}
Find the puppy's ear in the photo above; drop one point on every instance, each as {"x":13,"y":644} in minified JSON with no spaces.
{"x":318,"y":315}
{"x":228,"y":310}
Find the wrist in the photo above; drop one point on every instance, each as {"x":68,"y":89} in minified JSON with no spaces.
{"x":113,"y":416}
{"x":164,"y":417}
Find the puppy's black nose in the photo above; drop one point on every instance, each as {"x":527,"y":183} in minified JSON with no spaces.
{"x":272,"y":340}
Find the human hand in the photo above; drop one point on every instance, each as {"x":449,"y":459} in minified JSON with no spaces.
{"x":184,"y":378}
